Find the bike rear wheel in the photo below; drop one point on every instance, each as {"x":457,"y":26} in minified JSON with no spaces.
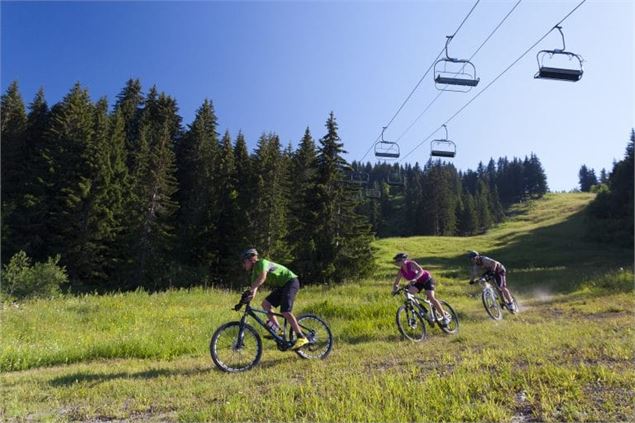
{"x":235,"y":349}
{"x":490,"y":302}
{"x":319,"y":335}
{"x":410,"y":323}
{"x":453,"y":326}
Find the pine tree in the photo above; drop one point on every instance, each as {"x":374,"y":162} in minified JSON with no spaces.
{"x":612,"y":210}
{"x":604,"y":178}
{"x":439,"y":195}
{"x":535,"y":178}
{"x":302,"y":236}
{"x":468,"y":217}
{"x":97,"y":256}
{"x":413,"y":202}
{"x":28,"y":225}
{"x":116,"y":188}
{"x":13,"y":121}
{"x":343,"y":246}
{"x":228,"y":223}
{"x":153,"y":204}
{"x":245,"y":180}
{"x":483,"y":208}
{"x":129,"y":105}
{"x":587,"y":178}
{"x":270,"y":199}
{"x":199,"y":191}
{"x":70,"y":176}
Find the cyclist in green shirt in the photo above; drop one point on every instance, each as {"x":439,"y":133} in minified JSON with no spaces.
{"x":286,"y":286}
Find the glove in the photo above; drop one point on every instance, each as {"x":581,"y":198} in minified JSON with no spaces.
{"x":395,"y":291}
{"x":472,"y":281}
{"x":246,"y":297}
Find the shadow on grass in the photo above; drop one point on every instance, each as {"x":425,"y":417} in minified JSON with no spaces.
{"x":553,"y":259}
{"x":96,"y":378}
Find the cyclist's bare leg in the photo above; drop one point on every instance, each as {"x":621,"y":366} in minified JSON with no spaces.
{"x":501,"y":280}
{"x":293,"y":322}
{"x":506,"y":294}
{"x":266,"y":305}
{"x":435,"y":302}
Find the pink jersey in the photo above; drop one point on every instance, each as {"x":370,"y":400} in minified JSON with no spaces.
{"x":409,"y":271}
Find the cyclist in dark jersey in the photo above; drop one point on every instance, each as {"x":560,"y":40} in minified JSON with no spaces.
{"x":285,"y":286}
{"x":482,"y":263}
{"x":420,"y":279}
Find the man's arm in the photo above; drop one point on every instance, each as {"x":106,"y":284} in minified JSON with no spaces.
{"x":257,"y":283}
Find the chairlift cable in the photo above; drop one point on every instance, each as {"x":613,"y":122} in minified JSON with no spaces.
{"x":420,"y":80}
{"x":470,"y":59}
{"x":493,"y":81}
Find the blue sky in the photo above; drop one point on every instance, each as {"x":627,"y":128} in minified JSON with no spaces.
{"x":282,"y":66}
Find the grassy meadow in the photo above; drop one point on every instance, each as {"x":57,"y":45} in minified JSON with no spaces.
{"x":567,"y":356}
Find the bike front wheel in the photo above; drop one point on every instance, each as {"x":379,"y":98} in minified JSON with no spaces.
{"x":490,"y":302}
{"x":453,"y":325}
{"x":410,"y":323}
{"x":235,"y":347}
{"x":319,"y":335}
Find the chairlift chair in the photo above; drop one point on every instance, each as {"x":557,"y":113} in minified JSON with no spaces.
{"x":356,"y":178}
{"x":443,"y":147}
{"x":451,"y":74}
{"x":572,"y":74}
{"x":386,"y":149}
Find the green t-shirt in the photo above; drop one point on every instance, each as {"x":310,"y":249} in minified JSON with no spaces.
{"x":277,"y":274}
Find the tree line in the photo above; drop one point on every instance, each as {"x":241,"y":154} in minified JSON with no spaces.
{"x":129,"y":197}
{"x":611,"y":212}
{"x":436,"y":199}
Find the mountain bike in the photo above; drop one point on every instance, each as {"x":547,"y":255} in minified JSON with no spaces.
{"x":236,"y":346}
{"x":493,"y":299}
{"x":415,"y":312}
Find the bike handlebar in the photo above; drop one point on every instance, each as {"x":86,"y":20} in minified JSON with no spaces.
{"x":245,"y":299}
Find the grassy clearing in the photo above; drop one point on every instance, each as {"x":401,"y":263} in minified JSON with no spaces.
{"x":566,"y":357}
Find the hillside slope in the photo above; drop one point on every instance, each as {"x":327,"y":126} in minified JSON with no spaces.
{"x":566,"y":357}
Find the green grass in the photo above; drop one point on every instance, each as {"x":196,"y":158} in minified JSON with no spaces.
{"x":566,"y":357}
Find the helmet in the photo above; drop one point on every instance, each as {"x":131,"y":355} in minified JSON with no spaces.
{"x":473,"y":254}
{"x":400,"y":256}
{"x":249,"y":253}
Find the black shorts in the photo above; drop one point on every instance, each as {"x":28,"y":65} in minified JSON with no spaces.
{"x":427,"y":285}
{"x":284,"y":296}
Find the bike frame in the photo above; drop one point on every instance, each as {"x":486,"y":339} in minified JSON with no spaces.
{"x":282,"y":342}
{"x":486,"y":282}
{"x":419,"y":303}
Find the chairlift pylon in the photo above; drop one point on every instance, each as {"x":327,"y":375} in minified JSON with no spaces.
{"x":443,"y":147}
{"x":386,"y":149}
{"x":451,"y":74}
{"x":558,"y":73}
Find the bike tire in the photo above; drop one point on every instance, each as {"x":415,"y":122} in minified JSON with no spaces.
{"x":410,"y":323}
{"x":490,"y":302}
{"x":319,"y":335}
{"x":225,"y":352}
{"x":452,"y":327}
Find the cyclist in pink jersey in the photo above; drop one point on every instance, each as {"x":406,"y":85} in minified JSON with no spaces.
{"x":420,"y":279}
